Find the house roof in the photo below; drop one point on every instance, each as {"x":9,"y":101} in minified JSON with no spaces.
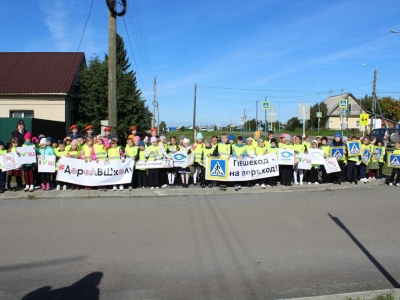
{"x":38,"y":72}
{"x":332,"y":103}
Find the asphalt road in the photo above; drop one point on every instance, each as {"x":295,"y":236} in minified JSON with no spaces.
{"x":261,"y":246}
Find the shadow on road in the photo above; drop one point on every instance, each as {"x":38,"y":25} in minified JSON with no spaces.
{"x":366,"y":252}
{"x":84,"y":289}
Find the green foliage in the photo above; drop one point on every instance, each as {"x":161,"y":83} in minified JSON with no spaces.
{"x":292,"y":124}
{"x":366,"y":102}
{"x":93,"y":89}
{"x":163,"y":126}
{"x":251,"y":124}
{"x":313,"y":122}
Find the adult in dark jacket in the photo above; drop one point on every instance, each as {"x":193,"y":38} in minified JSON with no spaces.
{"x":19,"y":133}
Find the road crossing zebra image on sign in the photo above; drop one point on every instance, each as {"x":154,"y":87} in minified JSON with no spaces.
{"x":217,"y":168}
{"x":337,"y":152}
{"x":354,"y":148}
{"x":393,"y":160}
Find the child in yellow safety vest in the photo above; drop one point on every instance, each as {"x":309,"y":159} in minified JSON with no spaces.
{"x":155,"y":154}
{"x":261,"y":149}
{"x":365,"y":145}
{"x":207,"y":152}
{"x":74,"y":152}
{"x":3,"y":174}
{"x":99,"y":153}
{"x":395,"y":171}
{"x":352,"y":164}
{"x":382,"y":158}
{"x":185,"y":171}
{"x":197,"y":149}
{"x":299,"y":148}
{"x":273,"y":148}
{"x":115,"y":154}
{"x":131,"y":150}
{"x":60,"y":152}
{"x":142,"y":155}
{"x":286,"y":171}
{"x":238,"y":151}
{"x":172,"y":149}
{"x":223,"y":150}
{"x":373,"y":164}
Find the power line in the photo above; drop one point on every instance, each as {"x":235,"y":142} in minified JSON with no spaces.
{"x":84,"y":28}
{"x":134,"y":59}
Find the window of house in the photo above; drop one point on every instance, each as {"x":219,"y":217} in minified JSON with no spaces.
{"x":349,"y":107}
{"x":21,"y":114}
{"x":357,"y":123}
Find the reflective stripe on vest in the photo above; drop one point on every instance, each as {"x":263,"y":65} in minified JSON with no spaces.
{"x":100,"y":152}
{"x":113,"y":154}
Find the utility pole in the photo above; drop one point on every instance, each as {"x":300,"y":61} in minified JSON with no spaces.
{"x":112,"y":61}
{"x":194,"y":112}
{"x":112,"y":70}
{"x":153,"y":120}
{"x":373,"y":116}
{"x":244,"y":115}
{"x":265,"y":117}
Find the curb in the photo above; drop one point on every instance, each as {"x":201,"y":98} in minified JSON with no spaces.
{"x":366,"y":295}
{"x":179,"y":191}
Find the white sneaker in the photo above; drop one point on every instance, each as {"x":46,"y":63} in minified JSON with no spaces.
{"x":58,"y":187}
{"x":373,"y":178}
{"x":130,"y":188}
{"x":114,"y":188}
{"x":309,"y":183}
{"x":32,"y":188}
{"x":316,"y":182}
{"x":236,"y":187}
{"x":165,"y":185}
{"x":397,"y":184}
{"x":239,"y":186}
{"x":26,"y":188}
{"x":157,"y":187}
{"x":257,"y":184}
{"x":296,"y":183}
{"x":64,"y":187}
{"x":369,"y":178}
{"x":301,"y":183}
{"x":152,"y":187}
{"x":390,"y":184}
{"x":121,"y":187}
{"x":263,"y":186}
{"x":366,"y":180}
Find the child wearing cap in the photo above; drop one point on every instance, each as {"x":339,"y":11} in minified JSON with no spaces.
{"x":17,"y":173}
{"x":231,"y":139}
{"x":197,"y":148}
{"x":313,"y":175}
{"x":173,"y":147}
{"x":115,"y":154}
{"x":28,"y":168}
{"x":45,"y":149}
{"x":142,"y":155}
{"x":99,"y":153}
{"x":89,"y":132}
{"x":74,"y":132}
{"x":3,"y":174}
{"x":299,"y":148}
{"x":286,"y":170}
{"x":131,"y":150}
{"x":207,"y":152}
{"x":60,"y":152}
{"x":256,"y":135}
{"x":185,"y":171}
{"x":224,"y":150}
{"x":352,"y":165}
{"x":337,"y":177}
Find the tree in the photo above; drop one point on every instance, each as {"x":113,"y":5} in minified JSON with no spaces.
{"x":93,"y":89}
{"x":390,"y":108}
{"x":163,"y":126}
{"x":292,"y":124}
{"x":366,"y":102}
{"x":250,"y":124}
{"x":313,"y":122}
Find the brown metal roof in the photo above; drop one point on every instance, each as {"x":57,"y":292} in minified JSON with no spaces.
{"x":38,"y":72}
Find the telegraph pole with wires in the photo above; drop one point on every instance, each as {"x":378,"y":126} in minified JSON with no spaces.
{"x":153,"y":120}
{"x":112,"y":61}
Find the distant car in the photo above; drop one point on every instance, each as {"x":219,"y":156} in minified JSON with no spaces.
{"x":203,"y":128}
{"x":389,"y":136}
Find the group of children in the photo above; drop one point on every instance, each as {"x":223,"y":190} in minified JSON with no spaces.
{"x":90,"y":147}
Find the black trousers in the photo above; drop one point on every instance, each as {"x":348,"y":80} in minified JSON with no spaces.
{"x":142,"y":178}
{"x":352,"y":171}
{"x":154,"y":177}
{"x":338,"y":176}
{"x":394,"y":172}
{"x":286,"y":174}
{"x":313,"y":175}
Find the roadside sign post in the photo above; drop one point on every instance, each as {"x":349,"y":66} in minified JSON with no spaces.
{"x":265,"y":105}
{"x":343,"y":104}
{"x":319,"y":116}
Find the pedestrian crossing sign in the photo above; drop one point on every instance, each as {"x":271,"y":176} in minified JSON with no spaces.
{"x":393,"y":160}
{"x":343,"y":103}
{"x":337,"y":152}
{"x":366,"y":156}
{"x":217,"y":169}
{"x":265,"y":105}
{"x":353,"y":148}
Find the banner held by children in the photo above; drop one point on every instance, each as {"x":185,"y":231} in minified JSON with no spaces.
{"x":331,"y":165}
{"x":47,"y":164}
{"x":9,"y":161}
{"x":77,"y":171}
{"x":245,"y":169}
{"x":26,"y":155}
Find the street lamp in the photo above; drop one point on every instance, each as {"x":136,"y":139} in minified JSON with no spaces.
{"x":319,"y":95}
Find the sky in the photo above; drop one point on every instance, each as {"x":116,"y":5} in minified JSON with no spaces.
{"x":236,"y":52}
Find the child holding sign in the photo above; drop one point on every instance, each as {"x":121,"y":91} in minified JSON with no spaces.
{"x":28,"y":168}
{"x":45,"y":149}
{"x":17,"y":173}
{"x":3,"y":175}
{"x":395,"y":170}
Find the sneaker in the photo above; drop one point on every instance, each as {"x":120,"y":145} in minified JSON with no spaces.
{"x":130,"y":188}
{"x":296,"y":183}
{"x":309,"y":183}
{"x":26,"y":188}
{"x":100,"y":188}
{"x":165,"y":185}
{"x":236,"y":187}
{"x":390,"y":184}
{"x":121,"y":187}
{"x":152,"y":188}
{"x":58,"y":187}
{"x":157,"y":187}
{"x":263,"y":186}
{"x":114,"y":188}
{"x":64,"y":187}
{"x":43,"y":186}
{"x":316,"y":182}
{"x":240,"y":187}
{"x":257,"y":184}
{"x":397,"y":184}
{"x":301,"y":183}
{"x":31,"y":188}
{"x":373,"y":179}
